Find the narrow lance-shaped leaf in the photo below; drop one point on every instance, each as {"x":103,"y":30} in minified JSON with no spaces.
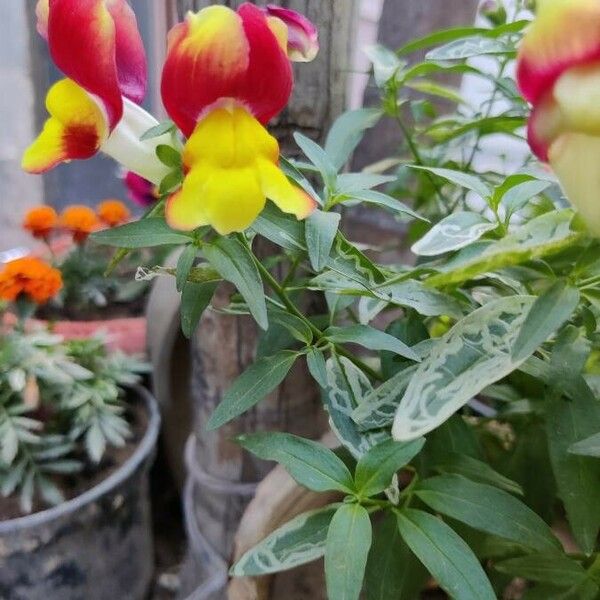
{"x":549,"y":312}
{"x":465,"y":180}
{"x":309,"y":463}
{"x":346,"y":552}
{"x":393,"y":571}
{"x":145,"y":233}
{"x":319,"y":158}
{"x":452,"y":233}
{"x":195,"y":299}
{"x":557,"y":569}
{"x":475,"y":353}
{"x":296,"y":543}
{"x":446,"y":556}
{"x":321,"y":229}
{"x":371,"y":338}
{"x":376,"y":468}
{"x":487,"y":509}
{"x":259,"y":380}
{"x":588,"y":447}
{"x":235,"y":264}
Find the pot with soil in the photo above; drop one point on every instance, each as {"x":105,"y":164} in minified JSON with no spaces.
{"x":75,"y":453}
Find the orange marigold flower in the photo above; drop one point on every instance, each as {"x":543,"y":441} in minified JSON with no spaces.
{"x":80,"y":221}
{"x":40,"y":221}
{"x":31,"y":277}
{"x":113,"y":212}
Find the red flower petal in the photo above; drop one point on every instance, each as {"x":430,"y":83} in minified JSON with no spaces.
{"x":566,"y":33}
{"x":96,"y":44}
{"x":217,"y":54}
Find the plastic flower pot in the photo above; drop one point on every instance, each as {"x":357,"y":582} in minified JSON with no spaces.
{"x":96,"y":546}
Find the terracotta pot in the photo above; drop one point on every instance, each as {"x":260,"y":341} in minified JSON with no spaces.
{"x":127,"y":334}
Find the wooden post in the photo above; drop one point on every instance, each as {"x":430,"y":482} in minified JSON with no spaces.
{"x":221,"y":477}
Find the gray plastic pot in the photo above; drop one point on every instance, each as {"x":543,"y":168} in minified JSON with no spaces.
{"x":97,"y":546}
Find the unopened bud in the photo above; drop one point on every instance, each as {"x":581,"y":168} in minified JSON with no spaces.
{"x":494,"y":11}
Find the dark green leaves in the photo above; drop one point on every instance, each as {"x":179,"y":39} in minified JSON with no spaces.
{"x":445,"y":555}
{"x":588,"y":447}
{"x":555,"y":569}
{"x":346,"y":552}
{"x":321,"y":229}
{"x":487,"y":509}
{"x":549,"y":312}
{"x":309,"y":463}
{"x":260,"y":379}
{"x":375,"y":469}
{"x":393,"y":571}
{"x":195,"y":298}
{"x":168,"y":156}
{"x":145,"y":233}
{"x":235,"y":264}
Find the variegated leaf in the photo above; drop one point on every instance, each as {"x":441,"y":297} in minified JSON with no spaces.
{"x":475,"y":353}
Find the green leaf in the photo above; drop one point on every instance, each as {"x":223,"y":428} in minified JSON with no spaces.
{"x":146,"y":233}
{"x":168,"y":156}
{"x":588,"y":447}
{"x":346,"y":552}
{"x":380,"y":199}
{"x":475,"y":353}
{"x":577,"y":477}
{"x":393,"y":571}
{"x":487,"y":509}
{"x":385,"y":63}
{"x":256,"y":382}
{"x":346,"y":133}
{"x":234,"y":263}
{"x":517,"y":196}
{"x":321,"y":229}
{"x":319,"y":158}
{"x":476,"y":470}
{"x":347,"y":183}
{"x":347,"y":386}
{"x":556,"y":569}
{"x":195,"y":298}
{"x":298,"y":328}
{"x":311,"y":464}
{"x":446,"y":556}
{"x":280,"y":228}
{"x":296,"y":543}
{"x":549,"y":312}
{"x":158,"y":130}
{"x":170,"y":182}
{"x":376,"y":468}
{"x":425,"y":300}
{"x":465,"y":180}
{"x":471,"y":46}
{"x":317,"y":366}
{"x":370,"y":338}
{"x":184,"y":265}
{"x":452,"y":233}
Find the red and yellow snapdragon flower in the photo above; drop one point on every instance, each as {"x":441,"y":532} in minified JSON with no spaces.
{"x":226,"y":75}
{"x":558,"y":71}
{"x":97,"y":45}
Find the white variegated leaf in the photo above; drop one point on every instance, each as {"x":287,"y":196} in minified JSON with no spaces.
{"x":346,"y":390}
{"x":296,"y":543}
{"x":475,"y":353}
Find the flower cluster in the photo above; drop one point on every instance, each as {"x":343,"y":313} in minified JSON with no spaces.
{"x":558,"y":71}
{"x":31,"y":278}
{"x":226,"y":75}
{"x":78,"y":221}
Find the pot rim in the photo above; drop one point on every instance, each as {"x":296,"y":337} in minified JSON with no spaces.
{"x":141,"y":453}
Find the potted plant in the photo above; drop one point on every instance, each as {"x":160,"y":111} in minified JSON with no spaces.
{"x":90,"y":300}
{"x":77,"y":437}
{"x":461,"y":385}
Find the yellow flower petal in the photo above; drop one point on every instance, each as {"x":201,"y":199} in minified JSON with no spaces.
{"x":286,"y":196}
{"x":231,"y":162}
{"x":76,"y":129}
{"x":575,"y":158}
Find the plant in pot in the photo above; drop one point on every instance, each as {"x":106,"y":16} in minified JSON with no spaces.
{"x":77,"y":436}
{"x":462,"y":390}
{"x":91,"y":300}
